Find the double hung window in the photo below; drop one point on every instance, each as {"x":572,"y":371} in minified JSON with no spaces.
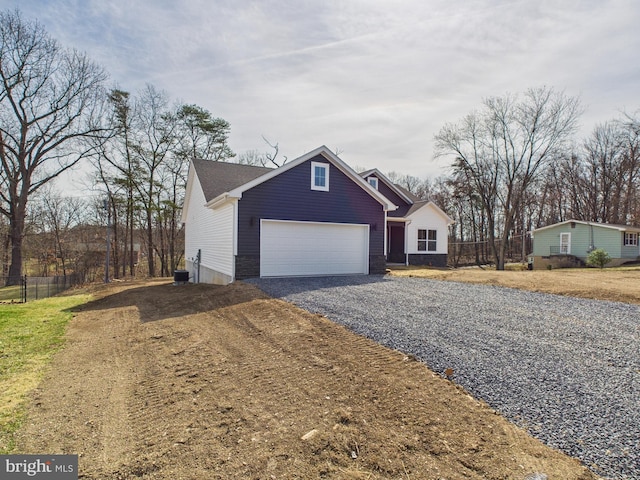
{"x":630,"y":239}
{"x":427,"y":240}
{"x":320,"y":176}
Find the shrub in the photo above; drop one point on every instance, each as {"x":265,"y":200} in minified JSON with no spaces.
{"x":598,"y":258}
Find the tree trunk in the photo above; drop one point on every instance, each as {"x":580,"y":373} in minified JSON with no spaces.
{"x":150,"y":243}
{"x":16,"y":234}
{"x":500,"y":254}
{"x":115,"y":244}
{"x":130,"y":212}
{"x":5,"y":254}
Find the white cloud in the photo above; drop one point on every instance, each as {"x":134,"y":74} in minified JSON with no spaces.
{"x":373,"y":78}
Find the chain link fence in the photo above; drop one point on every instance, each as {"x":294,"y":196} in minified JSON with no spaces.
{"x":24,"y":288}
{"x":13,"y":289}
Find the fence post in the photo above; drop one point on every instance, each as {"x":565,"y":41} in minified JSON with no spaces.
{"x":24,"y":288}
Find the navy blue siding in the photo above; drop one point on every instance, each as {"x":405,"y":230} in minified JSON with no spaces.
{"x":288,"y":196}
{"x":390,"y":194}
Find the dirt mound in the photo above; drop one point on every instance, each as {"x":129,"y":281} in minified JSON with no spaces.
{"x":204,"y":382}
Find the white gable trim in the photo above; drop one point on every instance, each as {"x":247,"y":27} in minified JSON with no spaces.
{"x":190,"y":179}
{"x":221,"y":200}
{"x":620,"y":228}
{"x":388,"y":183}
{"x":328,"y":155}
{"x":429,"y":204}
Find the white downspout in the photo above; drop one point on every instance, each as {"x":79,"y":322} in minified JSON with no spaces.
{"x":386,"y":232}
{"x":234,"y":252}
{"x":406,"y":242}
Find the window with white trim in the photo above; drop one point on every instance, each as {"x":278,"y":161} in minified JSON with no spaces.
{"x":427,"y":240}
{"x":630,"y":239}
{"x":320,"y":176}
{"x":373,"y":181}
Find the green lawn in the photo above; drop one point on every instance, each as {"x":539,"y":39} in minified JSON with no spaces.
{"x":10,"y":293}
{"x":30,"y":334}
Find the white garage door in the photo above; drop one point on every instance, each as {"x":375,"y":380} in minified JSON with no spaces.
{"x":307,"y":248}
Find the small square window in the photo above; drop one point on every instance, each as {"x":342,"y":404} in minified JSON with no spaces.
{"x":320,"y":176}
{"x":630,"y":239}
{"x":427,"y":240}
{"x":373,"y":181}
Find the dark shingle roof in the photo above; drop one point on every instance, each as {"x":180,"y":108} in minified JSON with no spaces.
{"x":413,"y":197}
{"x":220,"y":177}
{"x":406,"y":210}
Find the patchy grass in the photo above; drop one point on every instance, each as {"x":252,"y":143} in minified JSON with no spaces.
{"x":30,"y":334}
{"x":617,"y":284}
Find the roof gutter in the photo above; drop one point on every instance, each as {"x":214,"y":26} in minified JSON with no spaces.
{"x":220,"y":200}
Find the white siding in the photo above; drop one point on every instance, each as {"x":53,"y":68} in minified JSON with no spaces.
{"x":209,"y":230}
{"x":220,"y":254}
{"x":427,"y":218}
{"x":195,"y":216}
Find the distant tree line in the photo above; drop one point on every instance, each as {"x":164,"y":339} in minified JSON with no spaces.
{"x":515,"y":166}
{"x":56,"y":110}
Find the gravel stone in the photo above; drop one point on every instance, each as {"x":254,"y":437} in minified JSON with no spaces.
{"x":566,"y":369}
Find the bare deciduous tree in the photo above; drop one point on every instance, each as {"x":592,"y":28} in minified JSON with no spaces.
{"x":503,"y":148}
{"x":55,"y":217}
{"x":153,"y":142}
{"x":272,"y":158}
{"x":262,"y":159}
{"x":49,"y":100}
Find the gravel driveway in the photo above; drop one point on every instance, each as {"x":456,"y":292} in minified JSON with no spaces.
{"x":566,"y":369}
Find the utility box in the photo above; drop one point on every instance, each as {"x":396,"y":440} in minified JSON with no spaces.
{"x":180,"y":277}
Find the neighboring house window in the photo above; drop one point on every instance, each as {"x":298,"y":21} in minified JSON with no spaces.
{"x":320,"y":176}
{"x":373,"y":181}
{"x":427,"y":240}
{"x":630,"y":239}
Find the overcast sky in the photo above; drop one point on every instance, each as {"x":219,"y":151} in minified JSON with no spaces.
{"x":372,"y":79}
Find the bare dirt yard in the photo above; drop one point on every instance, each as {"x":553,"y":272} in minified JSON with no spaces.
{"x":206,"y":382}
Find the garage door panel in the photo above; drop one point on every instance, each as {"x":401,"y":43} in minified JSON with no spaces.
{"x":306,"y":248}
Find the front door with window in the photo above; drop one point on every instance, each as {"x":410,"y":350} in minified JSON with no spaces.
{"x":565,"y":243}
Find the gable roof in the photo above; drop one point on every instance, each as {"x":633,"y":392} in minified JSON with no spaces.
{"x":401,"y":192}
{"x":621,"y":228}
{"x":268,"y":173}
{"x":412,"y":196}
{"x":217,"y":178}
{"x":424,"y":203}
{"x":414,"y":203}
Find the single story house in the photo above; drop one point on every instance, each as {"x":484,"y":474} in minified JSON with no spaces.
{"x":312,"y":216}
{"x":570,"y":242}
